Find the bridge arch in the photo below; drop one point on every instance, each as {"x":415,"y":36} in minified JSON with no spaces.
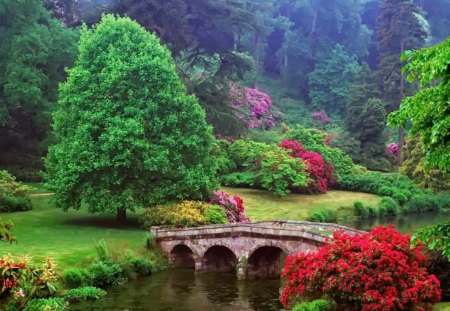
{"x":266,"y":262}
{"x":219,"y":258}
{"x":182,"y":255}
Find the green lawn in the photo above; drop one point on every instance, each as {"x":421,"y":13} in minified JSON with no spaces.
{"x":445,"y":306}
{"x":69,"y":236}
{"x":263,"y":205}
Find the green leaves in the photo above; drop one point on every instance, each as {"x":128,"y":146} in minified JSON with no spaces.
{"x":435,"y":237}
{"x":128,"y":135}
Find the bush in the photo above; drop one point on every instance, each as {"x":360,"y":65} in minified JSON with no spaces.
{"x":232,"y":205}
{"x":180,"y":215}
{"x":216,"y":215}
{"x":84,"y":294}
{"x":239,"y":179}
{"x":106,"y":273}
{"x":247,"y":154}
{"x":49,"y":304}
{"x":323,"y":216}
{"x":420,"y":203}
{"x":280,"y":172}
{"x":439,"y":266}
{"x":13,"y":194}
{"x":73,"y":277}
{"x":315,"y":305}
{"x":388,"y":206}
{"x":364,"y":212}
{"x":368,"y":271}
{"x":142,"y":266}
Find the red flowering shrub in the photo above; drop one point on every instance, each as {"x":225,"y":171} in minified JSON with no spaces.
{"x":320,"y":172}
{"x":373,"y":271}
{"x":233,"y":206}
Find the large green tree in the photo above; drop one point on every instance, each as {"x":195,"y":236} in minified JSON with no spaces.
{"x":128,"y":135}
{"x":34,"y":51}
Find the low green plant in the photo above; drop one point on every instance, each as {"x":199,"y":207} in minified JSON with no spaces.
{"x":388,"y":207}
{"x":364,"y":212}
{"x":149,"y":240}
{"x":142,"y":266}
{"x":73,"y":277}
{"x":239,"y":179}
{"x":49,"y":304}
{"x":315,"y":305}
{"x":216,"y":215}
{"x":329,"y":216}
{"x":106,"y":273}
{"x":13,"y":194}
{"x":83,"y":294}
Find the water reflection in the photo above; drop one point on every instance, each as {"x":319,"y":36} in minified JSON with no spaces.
{"x":183,"y":290}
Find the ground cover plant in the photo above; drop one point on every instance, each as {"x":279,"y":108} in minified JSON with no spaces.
{"x":13,"y":194}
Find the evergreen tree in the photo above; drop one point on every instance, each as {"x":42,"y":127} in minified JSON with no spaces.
{"x":127,"y":134}
{"x":34,"y":51}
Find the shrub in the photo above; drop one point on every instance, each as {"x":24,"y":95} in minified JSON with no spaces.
{"x":388,"y":206}
{"x":378,"y":270}
{"x":83,"y":294}
{"x":216,"y":215}
{"x":142,"y":266}
{"x":315,"y":305}
{"x":149,"y":240}
{"x":420,"y":203}
{"x":247,"y":154}
{"x":106,"y":273}
{"x":233,"y":206}
{"x":6,"y":234}
{"x":184,"y":214}
{"x":280,"y":172}
{"x":439,"y":266}
{"x":239,"y":179}
{"x":73,"y":277}
{"x":364,"y":212}
{"x":49,"y":304}
{"x":323,"y":216}
{"x":13,"y":194}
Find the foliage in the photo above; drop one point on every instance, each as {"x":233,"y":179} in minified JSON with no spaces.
{"x":313,"y":140}
{"x":83,"y":294}
{"x":35,"y":50}
{"x":330,"y":82}
{"x":127,"y":134}
{"x":184,"y":214}
{"x":315,"y":305}
{"x":428,"y":108}
{"x":321,"y":118}
{"x":47,"y":304}
{"x":20,"y":281}
{"x":142,"y":266}
{"x":232,"y":205}
{"x":414,"y":167}
{"x":435,"y":238}
{"x":13,"y":194}
{"x":6,"y":234}
{"x":216,"y":215}
{"x":239,"y":179}
{"x":388,"y":206}
{"x":73,"y":277}
{"x":106,"y":273}
{"x":247,"y":154}
{"x":329,"y":216}
{"x":378,"y":270}
{"x":364,"y":211}
{"x":280,"y":172}
{"x":392,"y":149}
{"x":439,"y":265}
{"x":320,"y":172}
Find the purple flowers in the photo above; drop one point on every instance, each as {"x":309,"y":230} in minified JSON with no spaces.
{"x":253,"y":107}
{"x":392,"y":148}
{"x":233,"y":206}
{"x":321,"y":117}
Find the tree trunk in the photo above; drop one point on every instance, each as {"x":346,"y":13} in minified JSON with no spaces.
{"x":121,"y":216}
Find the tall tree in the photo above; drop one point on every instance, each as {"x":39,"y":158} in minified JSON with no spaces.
{"x":34,"y":51}
{"x":128,"y":135}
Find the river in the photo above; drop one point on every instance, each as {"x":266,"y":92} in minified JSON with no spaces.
{"x":184,"y":290}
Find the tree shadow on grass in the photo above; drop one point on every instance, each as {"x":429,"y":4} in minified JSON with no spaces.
{"x":106,"y":222}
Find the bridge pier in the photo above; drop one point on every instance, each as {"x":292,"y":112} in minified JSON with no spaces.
{"x":241,"y":268}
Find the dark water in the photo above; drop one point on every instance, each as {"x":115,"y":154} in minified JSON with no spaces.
{"x":404,"y":223}
{"x":183,"y":290}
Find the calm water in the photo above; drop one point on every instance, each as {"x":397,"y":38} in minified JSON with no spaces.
{"x":183,"y":290}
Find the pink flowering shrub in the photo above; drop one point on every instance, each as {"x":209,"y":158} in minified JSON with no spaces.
{"x":233,"y":206}
{"x":321,"y":117}
{"x":392,"y":149}
{"x":374,"y":271}
{"x":253,"y":107}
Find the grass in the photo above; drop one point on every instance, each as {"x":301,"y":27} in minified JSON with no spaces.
{"x":263,"y":205}
{"x":67,"y":237}
{"x":444,"y":306}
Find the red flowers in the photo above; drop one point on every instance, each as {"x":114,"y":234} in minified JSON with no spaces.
{"x":372,"y":271}
{"x":320,"y":172}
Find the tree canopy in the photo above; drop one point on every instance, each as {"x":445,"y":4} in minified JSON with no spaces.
{"x":127,"y":134}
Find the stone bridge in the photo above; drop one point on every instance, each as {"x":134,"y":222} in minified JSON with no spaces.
{"x":253,"y":250}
